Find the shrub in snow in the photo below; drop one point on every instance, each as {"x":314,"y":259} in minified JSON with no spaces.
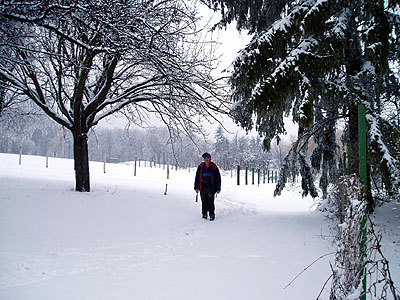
{"x":352,"y":262}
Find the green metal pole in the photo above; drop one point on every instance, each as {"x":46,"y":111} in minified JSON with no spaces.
{"x":238,"y":175}
{"x":245,"y":177}
{"x":362,"y":148}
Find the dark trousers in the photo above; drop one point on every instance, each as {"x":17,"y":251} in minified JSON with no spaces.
{"x":207,"y":201}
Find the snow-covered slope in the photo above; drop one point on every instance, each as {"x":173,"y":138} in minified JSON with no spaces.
{"x":127,"y":240}
{"x":387,"y":220}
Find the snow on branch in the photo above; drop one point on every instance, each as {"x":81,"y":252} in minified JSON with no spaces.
{"x":387,"y":162}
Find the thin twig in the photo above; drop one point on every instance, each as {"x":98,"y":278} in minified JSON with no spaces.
{"x":323,"y":287}
{"x":306,"y":268}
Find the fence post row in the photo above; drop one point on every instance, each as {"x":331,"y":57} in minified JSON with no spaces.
{"x":270,"y":176}
{"x":266,"y":173}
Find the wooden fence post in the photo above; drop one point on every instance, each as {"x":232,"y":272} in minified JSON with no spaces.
{"x":134,"y":174}
{"x":166,"y":185}
{"x":168,"y":169}
{"x":20,"y":154}
{"x":105,"y":159}
{"x":166,"y":189}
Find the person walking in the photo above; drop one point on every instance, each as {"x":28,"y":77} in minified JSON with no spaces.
{"x":207,"y":182}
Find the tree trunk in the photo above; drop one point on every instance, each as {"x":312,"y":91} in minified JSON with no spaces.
{"x":81,"y":159}
{"x":353,"y":137}
{"x":353,"y":63}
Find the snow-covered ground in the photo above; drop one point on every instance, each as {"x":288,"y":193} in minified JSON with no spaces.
{"x":387,"y":219}
{"x":127,"y":240}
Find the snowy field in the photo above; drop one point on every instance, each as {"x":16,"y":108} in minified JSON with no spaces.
{"x":127,"y":240}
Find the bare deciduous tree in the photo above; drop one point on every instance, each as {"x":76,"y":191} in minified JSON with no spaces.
{"x":82,"y":61}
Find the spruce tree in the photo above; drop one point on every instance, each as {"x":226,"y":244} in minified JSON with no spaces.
{"x":316,"y":61}
{"x":221,"y":149}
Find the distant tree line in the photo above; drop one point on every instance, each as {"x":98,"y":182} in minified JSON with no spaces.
{"x":246,"y":151}
{"x":40,"y":135}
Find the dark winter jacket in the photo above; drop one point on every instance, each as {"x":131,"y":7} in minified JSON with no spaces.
{"x":208,"y":177}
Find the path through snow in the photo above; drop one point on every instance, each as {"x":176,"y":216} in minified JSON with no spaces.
{"x":126,"y":240}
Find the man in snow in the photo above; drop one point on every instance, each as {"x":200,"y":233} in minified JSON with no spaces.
{"x":208,"y":182}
